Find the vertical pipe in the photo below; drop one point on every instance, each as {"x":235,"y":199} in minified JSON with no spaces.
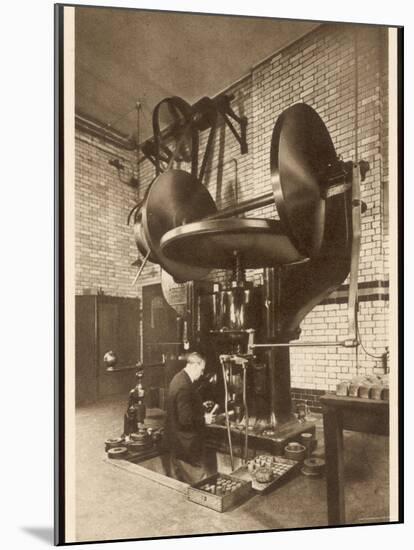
{"x":246,"y":413}
{"x":281,"y":398}
{"x":226,"y":410}
{"x":278,"y":359}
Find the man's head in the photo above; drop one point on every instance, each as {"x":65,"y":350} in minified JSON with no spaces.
{"x":195,"y":365}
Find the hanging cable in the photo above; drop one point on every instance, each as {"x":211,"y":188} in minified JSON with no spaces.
{"x":138,"y":108}
{"x":364,"y":348}
{"x":356,"y":83}
{"x":246,"y":412}
{"x":226,"y":410}
{"x":356,"y":218}
{"x":356,"y":213}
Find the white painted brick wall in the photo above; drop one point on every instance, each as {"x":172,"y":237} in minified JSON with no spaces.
{"x":318,"y":69}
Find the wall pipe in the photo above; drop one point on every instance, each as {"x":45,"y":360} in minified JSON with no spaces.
{"x":343,"y":344}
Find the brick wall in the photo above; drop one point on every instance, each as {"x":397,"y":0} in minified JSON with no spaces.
{"x":104,"y":247}
{"x":319,"y":69}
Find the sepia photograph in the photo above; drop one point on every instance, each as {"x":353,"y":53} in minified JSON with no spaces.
{"x":228,"y":195}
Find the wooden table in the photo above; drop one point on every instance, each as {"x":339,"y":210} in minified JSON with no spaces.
{"x":346,"y":413}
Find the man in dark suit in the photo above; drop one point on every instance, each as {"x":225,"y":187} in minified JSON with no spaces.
{"x":185,"y":423}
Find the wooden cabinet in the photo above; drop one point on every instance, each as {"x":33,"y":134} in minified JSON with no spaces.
{"x":86,"y":354}
{"x":105,"y":323}
{"x":160,"y":326}
{"x":161,"y":343}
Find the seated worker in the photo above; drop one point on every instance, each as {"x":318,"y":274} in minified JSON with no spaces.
{"x":185,"y":423}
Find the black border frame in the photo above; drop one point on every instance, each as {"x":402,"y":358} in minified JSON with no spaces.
{"x":59,"y":280}
{"x":59,"y":287}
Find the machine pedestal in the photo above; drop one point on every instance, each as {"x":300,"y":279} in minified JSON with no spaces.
{"x":257,"y":442}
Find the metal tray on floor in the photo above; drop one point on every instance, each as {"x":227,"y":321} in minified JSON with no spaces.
{"x":290,"y":467}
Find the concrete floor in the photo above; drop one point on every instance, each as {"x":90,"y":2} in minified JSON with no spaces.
{"x":114,"y":503}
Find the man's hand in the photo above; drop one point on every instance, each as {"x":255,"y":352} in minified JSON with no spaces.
{"x":209,"y":418}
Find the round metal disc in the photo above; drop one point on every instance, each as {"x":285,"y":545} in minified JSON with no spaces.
{"x":175,"y":198}
{"x":301,"y":155}
{"x":214,"y":243}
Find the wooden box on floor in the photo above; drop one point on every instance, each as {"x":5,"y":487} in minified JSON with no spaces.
{"x":220,"y":503}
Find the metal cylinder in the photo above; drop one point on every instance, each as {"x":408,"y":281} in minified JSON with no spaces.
{"x":269,"y":300}
{"x":278,"y":358}
{"x":233,"y":308}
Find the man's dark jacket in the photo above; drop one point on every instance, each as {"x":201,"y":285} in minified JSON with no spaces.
{"x":185,"y":419}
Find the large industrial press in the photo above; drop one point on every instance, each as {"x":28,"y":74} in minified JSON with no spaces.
{"x":247,"y":328}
